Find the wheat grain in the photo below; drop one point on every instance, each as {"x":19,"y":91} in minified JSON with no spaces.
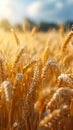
{"x":69,"y":36}
{"x":5,"y":86}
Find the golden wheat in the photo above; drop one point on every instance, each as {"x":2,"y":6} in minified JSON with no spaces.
{"x":36,"y":80}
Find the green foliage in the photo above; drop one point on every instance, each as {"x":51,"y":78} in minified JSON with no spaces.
{"x":44,"y":26}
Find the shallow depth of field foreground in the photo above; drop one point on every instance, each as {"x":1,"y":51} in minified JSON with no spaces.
{"x":36,"y":80}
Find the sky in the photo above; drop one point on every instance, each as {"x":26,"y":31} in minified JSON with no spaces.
{"x":38,"y":10}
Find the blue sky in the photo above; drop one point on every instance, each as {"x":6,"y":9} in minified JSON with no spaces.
{"x":37,"y":10}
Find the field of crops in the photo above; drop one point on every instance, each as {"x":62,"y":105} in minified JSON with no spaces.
{"x":36,"y":80}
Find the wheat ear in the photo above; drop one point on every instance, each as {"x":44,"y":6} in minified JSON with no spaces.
{"x":69,"y":36}
{"x":32,"y":62}
{"x":18,"y":57}
{"x":15,"y":35}
{"x":6,"y":87}
{"x":2,"y":75}
{"x":33,"y":31}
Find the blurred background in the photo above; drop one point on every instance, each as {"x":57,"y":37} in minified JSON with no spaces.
{"x":45,"y":14}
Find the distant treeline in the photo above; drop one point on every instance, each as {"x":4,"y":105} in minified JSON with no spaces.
{"x":29,"y":24}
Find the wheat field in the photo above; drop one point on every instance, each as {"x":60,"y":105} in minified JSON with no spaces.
{"x":36,"y":80}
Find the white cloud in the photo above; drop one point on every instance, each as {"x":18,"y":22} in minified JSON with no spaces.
{"x":59,"y":5}
{"x":4,"y":8}
{"x":70,"y":1}
{"x":40,"y":9}
{"x":51,"y":10}
{"x":49,"y":1}
{"x":34,"y":9}
{"x":47,"y":10}
{"x":10,"y":10}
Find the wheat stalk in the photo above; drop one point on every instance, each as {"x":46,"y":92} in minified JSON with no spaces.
{"x":66,"y":41}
